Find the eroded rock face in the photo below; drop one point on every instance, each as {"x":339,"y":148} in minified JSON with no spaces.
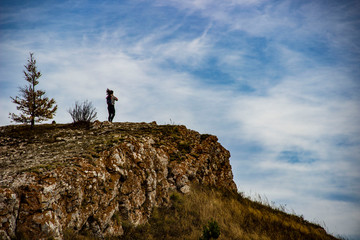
{"x":135,"y":169}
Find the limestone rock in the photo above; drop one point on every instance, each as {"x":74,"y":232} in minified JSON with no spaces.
{"x":59,"y":177}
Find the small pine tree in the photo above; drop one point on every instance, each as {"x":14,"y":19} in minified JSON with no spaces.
{"x":34,"y":106}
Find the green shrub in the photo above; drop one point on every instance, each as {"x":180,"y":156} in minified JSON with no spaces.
{"x":211,"y":231}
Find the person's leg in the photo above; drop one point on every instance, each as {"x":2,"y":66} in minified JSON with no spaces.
{"x":109,"y":111}
{"x":112,"y":113}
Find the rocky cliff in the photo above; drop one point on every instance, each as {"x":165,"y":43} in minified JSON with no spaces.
{"x":57,"y":178}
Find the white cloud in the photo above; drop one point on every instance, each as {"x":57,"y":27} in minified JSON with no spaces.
{"x":310,"y":106}
{"x":190,"y":51}
{"x":206,"y":4}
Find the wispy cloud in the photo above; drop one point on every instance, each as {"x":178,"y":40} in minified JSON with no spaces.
{"x":275,"y":80}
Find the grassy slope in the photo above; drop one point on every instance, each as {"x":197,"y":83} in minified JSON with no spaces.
{"x":238,"y":218}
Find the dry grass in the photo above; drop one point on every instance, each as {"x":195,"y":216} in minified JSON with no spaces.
{"x":238,"y":218}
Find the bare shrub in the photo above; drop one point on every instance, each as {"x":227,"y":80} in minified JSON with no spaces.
{"x":83,"y":113}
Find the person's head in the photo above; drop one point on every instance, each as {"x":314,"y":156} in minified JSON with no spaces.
{"x":109,"y":92}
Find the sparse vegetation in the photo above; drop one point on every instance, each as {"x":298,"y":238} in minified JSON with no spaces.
{"x":83,"y":113}
{"x":184,"y":147}
{"x":204,"y":136}
{"x":177,"y":156}
{"x":236,"y":216}
{"x":211,"y":231}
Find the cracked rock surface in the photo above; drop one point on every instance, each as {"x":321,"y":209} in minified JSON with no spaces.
{"x":92,"y":178}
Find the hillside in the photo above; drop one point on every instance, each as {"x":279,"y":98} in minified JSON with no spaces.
{"x":127,"y":181}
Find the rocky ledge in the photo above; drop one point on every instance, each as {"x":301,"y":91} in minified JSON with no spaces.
{"x":58,"y":178}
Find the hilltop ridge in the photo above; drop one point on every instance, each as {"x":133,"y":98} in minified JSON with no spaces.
{"x":128,"y":181}
{"x":85,"y":178}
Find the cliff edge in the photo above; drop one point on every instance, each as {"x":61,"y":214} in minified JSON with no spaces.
{"x":92,"y":178}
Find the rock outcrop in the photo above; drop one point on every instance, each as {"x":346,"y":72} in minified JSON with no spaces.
{"x":60,"y":178}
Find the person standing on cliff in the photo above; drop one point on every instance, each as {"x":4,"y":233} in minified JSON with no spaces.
{"x":110,"y":100}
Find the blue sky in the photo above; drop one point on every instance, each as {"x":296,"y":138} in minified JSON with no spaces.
{"x":276,"y":80}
